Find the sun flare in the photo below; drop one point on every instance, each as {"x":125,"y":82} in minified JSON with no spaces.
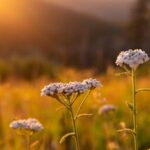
{"x":10,"y":11}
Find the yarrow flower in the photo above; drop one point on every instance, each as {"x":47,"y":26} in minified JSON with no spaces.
{"x":67,"y":94}
{"x":106,"y":109}
{"x":66,"y":89}
{"x":91,"y":83}
{"x":52,"y":89}
{"x":74,"y":87}
{"x":27,"y":124}
{"x":132,"y":58}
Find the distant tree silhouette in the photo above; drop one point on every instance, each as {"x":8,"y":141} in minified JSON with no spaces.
{"x":140,"y":23}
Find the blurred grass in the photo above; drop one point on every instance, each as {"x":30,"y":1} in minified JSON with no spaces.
{"x":28,"y":68}
{"x":21,"y":99}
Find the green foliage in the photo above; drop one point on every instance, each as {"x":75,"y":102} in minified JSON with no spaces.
{"x":28,"y":69}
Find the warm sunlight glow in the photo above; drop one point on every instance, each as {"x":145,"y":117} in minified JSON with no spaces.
{"x":10,"y":11}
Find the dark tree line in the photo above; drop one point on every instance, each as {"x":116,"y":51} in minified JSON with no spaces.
{"x":140,"y":25}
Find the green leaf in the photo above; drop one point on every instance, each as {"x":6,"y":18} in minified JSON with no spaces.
{"x":66,"y":136}
{"x":130,"y":105}
{"x":83,"y":115}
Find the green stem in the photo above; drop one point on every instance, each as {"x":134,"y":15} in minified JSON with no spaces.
{"x":62,"y":101}
{"x":81,"y":104}
{"x":74,"y":128}
{"x":74,"y":117}
{"x":28,"y":141}
{"x":74,"y":99}
{"x":134,"y":109}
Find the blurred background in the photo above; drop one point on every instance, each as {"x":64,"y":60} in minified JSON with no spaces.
{"x":44,"y":41}
{"x":76,"y":33}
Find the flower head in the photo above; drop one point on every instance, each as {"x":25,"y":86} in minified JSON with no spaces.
{"x":70,"y":88}
{"x":106,"y":109}
{"x":132,"y":58}
{"x":52,"y":89}
{"x":74,"y":87}
{"x":92,"y":83}
{"x":27,"y":124}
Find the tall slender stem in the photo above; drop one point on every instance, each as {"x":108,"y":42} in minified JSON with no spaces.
{"x":74,"y":125}
{"x":74,"y":128}
{"x":134,"y":109}
{"x":28,"y":141}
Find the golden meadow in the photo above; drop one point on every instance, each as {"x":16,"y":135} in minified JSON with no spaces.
{"x":21,"y":98}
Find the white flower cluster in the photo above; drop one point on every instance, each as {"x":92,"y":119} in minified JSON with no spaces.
{"x":106,"y":109}
{"x":91,"y":83}
{"x":27,"y":124}
{"x":132,"y":58}
{"x":52,"y":89}
{"x":74,"y":87}
{"x":70,"y":88}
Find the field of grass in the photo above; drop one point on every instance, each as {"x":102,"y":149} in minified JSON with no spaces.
{"x":21,"y":99}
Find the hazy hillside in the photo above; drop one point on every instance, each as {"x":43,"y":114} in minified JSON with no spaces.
{"x":110,"y":10}
{"x":62,"y":34}
{"x":54,"y":30}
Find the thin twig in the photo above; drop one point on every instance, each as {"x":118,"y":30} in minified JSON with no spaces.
{"x":81,"y":104}
{"x":74,"y":99}
{"x":126,"y":130}
{"x":143,"y":90}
